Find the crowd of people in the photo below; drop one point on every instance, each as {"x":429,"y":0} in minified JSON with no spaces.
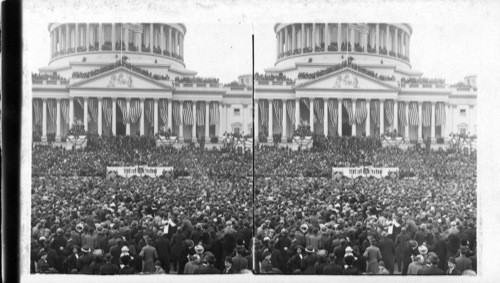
{"x":310,"y":222}
{"x":197,"y":220}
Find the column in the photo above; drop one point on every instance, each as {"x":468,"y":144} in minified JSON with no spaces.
{"x":126,"y":32}
{"x":113,"y":36}
{"x":395,"y":118}
{"x":127,"y":126}
{"x":100,"y":38}
{"x":181,"y":126}
{"x":44,"y":119}
{"x":86,"y":113}
{"x":353,"y":128}
{"x":407,"y":122}
{"x":169,"y":109}
{"x":155,"y":118}
{"x":284,"y":134}
{"x":176,"y":42}
{"x":287,"y":43}
{"x":77,"y":37}
{"x":420,"y":121}
{"x":67,"y":37}
{"x":87,"y":37}
{"x":352,"y":41}
{"x":280,"y":40}
{"x":339,"y":36}
{"x":270,"y":125}
{"x":311,"y":114}
{"x":58,"y":120}
{"x":228,"y":106}
{"x":113,"y":123}
{"x":367,"y":121}
{"x":221,"y":121}
{"x":433,"y":121}
{"x":377,"y":38}
{"x":277,"y":46}
{"x":395,"y":48}
{"x":325,"y":117}
{"x":382,"y":116}
{"x":151,"y":28}
{"x":294,"y":38}
{"x":365,"y":38}
{"x":325,"y":39}
{"x":448,"y":127}
{"x":193,"y":132}
{"x":207,"y":120}
{"x":141,"y":121}
{"x":302,"y":37}
{"x":297,"y":113}
{"x":59,"y":47}
{"x":162,"y":39}
{"x":99,"y":116}
{"x":71,"y":112}
{"x":387,"y":38}
{"x":339,"y":118}
{"x":313,"y":37}
{"x":169,"y":44}
{"x":256,"y":120}
{"x":470,"y":127}
{"x":244,"y":120}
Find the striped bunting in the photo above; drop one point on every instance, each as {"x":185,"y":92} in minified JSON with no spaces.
{"x":402,"y":114}
{"x":360,"y":111}
{"x":37,"y":110}
{"x":149,"y":111}
{"x":164,"y":111}
{"x":135,"y":110}
{"x":389,"y":111}
{"x":122,"y":104}
{"x":413,"y":113}
{"x":200,"y":113}
{"x":319,"y":111}
{"x":348,"y":107}
{"x":290,"y":109}
{"x":278,"y":112}
{"x":52,"y":110}
{"x":375,"y":105}
{"x":93,"y":110}
{"x":264,"y":112}
{"x":65,"y":110}
{"x":426,"y":115}
{"x":333,"y":110}
{"x":188,"y":113}
{"x":440,"y":114}
{"x":137,"y":28}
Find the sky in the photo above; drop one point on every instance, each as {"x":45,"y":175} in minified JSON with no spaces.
{"x":223,"y":48}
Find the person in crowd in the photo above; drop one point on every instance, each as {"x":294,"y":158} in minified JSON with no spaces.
{"x":373,"y":256}
{"x":432,"y":269}
{"x":193,"y":264}
{"x":158,"y":268}
{"x":148,"y":255}
{"x":108,"y":268}
{"x":452,"y":264}
{"x":462,"y":262}
{"x":416,"y":265}
{"x":228,"y":266}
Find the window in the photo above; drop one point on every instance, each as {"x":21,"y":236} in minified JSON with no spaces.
{"x":462,"y":112}
{"x":236,"y":130}
{"x":236,"y":111}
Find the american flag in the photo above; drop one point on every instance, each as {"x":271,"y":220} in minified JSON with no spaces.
{"x":402,"y":114}
{"x":278,"y":112}
{"x":362,"y":28}
{"x":150,"y":111}
{"x":348,"y":107}
{"x":264,"y":112}
{"x":360,"y":111}
{"x":105,"y":111}
{"x":188,"y":113}
{"x":176,"y":113}
{"x":426,"y":115}
{"x":122,"y":104}
{"x":375,"y":112}
{"x":136,"y":28}
{"x":37,"y":109}
{"x":164,"y":111}
{"x":389,"y":110}
{"x":52,"y":110}
{"x":290,"y":108}
{"x":333,"y":110}
{"x":319,"y":111}
{"x":65,"y":110}
{"x":135,"y":111}
{"x":200,"y":113}
{"x":440,"y":114}
{"x":93,"y":110}
{"x":414,"y":119}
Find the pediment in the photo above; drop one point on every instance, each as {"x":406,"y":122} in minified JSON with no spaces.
{"x":346,"y":79}
{"x":120,"y":78}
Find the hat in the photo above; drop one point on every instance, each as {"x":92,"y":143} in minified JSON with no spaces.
{"x":42,"y":252}
{"x":42,"y":238}
{"x":452,"y":260}
{"x":229,"y":222}
{"x":125,"y":249}
{"x":266,"y":266}
{"x":266,"y":239}
{"x":309,"y":249}
{"x":199,"y":249}
{"x":433,"y":259}
{"x":266,"y":253}
{"x":158,"y":263}
{"x":228,"y":259}
{"x":348,"y":249}
{"x":85,"y":249}
{"x":422,"y":249}
{"x":59,"y":231}
{"x":304,"y":227}
{"x":79,"y":227}
{"x":98,"y":252}
{"x":322,"y":253}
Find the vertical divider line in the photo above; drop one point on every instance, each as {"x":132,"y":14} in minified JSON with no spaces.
{"x":253,"y":156}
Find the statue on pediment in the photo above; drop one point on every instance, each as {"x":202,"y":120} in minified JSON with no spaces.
{"x":120,"y":81}
{"x":346,"y":82}
{"x":112,"y":81}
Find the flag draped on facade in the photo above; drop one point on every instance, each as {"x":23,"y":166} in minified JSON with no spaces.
{"x":149,"y":111}
{"x":93,"y":110}
{"x":414,"y":119}
{"x":136,"y":28}
{"x":122,"y":104}
{"x":188,"y":113}
{"x":389,"y":111}
{"x":214,"y":113}
{"x":263,"y":112}
{"x":375,"y":112}
{"x":333,"y":110}
{"x":65,"y":110}
{"x":52,"y":110}
{"x":135,"y":111}
{"x":290,"y":109}
{"x":278,"y":112}
{"x":319,"y":111}
{"x":360,"y":111}
{"x":426,"y":115}
{"x":402,"y":114}
{"x":176,"y":113}
{"x":164,"y":111}
{"x":200,"y":114}
{"x":440,"y":114}
{"x":348,"y":107}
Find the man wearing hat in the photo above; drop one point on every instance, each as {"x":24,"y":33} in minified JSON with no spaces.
{"x":228,"y":266}
{"x":84,"y":261}
{"x":162,"y":245}
{"x":462,"y":262}
{"x":387,"y":249}
{"x":95,"y":266}
{"x":432,"y":269}
{"x":42,"y":265}
{"x":116,"y":251}
{"x":452,"y":270}
{"x":108,"y":268}
{"x":239,"y":262}
{"x":309,"y":261}
{"x":373,"y":256}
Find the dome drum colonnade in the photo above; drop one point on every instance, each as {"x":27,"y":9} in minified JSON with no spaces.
{"x":384,"y":39}
{"x":160,"y":39}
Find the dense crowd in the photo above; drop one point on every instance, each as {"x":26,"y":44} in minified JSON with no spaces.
{"x":196,"y":220}
{"x":310,"y":222}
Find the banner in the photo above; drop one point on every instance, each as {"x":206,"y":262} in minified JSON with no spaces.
{"x":140,"y":171}
{"x":365,"y":171}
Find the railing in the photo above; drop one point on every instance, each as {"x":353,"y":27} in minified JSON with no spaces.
{"x":49,"y":82}
{"x":107,"y":48}
{"x":435,"y":85}
{"x":277,"y":83}
{"x":198,"y":85}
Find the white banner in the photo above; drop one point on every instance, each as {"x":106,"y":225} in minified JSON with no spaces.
{"x":365,"y":171}
{"x":140,"y":171}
